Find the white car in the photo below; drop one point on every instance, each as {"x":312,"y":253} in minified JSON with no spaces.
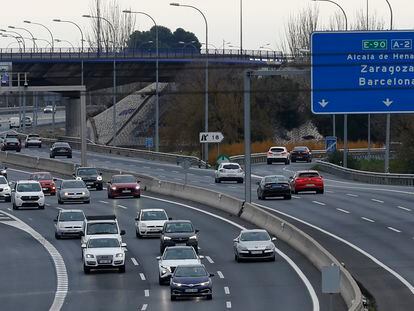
{"x":229,"y":172}
{"x":150,"y":222}
{"x":49,"y":109}
{"x":103,"y":252}
{"x":174,"y":256}
{"x":33,"y":140}
{"x":14,"y":122}
{"x":27,"y":193}
{"x":69,"y":223}
{"x":5,"y":190}
{"x":254,"y":244}
{"x":278,"y":154}
{"x":28,"y":121}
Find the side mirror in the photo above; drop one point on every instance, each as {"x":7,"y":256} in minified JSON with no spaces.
{"x":136,"y":218}
{"x":197,"y":231}
{"x":258,"y":183}
{"x":83,"y":245}
{"x":138,"y":181}
{"x":55,"y":220}
{"x":110,"y":182}
{"x":54,"y":179}
{"x":211,"y":275}
{"x":158,"y":257}
{"x":201,"y":257}
{"x":291,"y":177}
{"x":123,"y":245}
{"x":123,"y":232}
{"x":73,"y":175}
{"x":236,"y":240}
{"x":13,"y":190}
{"x":170,"y":218}
{"x":100,"y":174}
{"x":82,"y":233}
{"x":274,"y":239}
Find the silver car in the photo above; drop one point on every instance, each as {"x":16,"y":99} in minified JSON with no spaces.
{"x":254,"y":244}
{"x":73,"y":191}
{"x":69,"y":223}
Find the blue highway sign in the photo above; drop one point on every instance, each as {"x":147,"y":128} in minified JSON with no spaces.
{"x":362,"y":72}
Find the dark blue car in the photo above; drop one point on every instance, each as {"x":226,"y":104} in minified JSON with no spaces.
{"x":191,"y":281}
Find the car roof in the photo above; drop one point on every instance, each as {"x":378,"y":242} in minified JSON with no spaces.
{"x":103,"y":236}
{"x":81,"y":167}
{"x":193,"y":266}
{"x":119,"y":175}
{"x":153,"y":210}
{"x":179,"y":247}
{"x":27,"y":182}
{"x":277,"y":176}
{"x":253,"y":230}
{"x":277,"y":147}
{"x":33,"y":173}
{"x":307,"y":171}
{"x":226,"y":163}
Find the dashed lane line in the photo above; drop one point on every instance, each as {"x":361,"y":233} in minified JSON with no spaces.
{"x":135,"y":262}
{"x":142,"y":276}
{"x":404,"y":208}
{"x":378,"y":201}
{"x":104,"y":202}
{"x":393,"y":229}
{"x":146,"y":293}
{"x":226,"y":290}
{"x":122,"y":206}
{"x":329,"y":191}
{"x":144,"y":307}
{"x":367,"y":219}
{"x":228,"y":304}
{"x":209,"y":259}
{"x":352,"y":195}
{"x":343,"y":210}
{"x":319,"y":203}
{"x":295,"y":197}
{"x":220,"y":274}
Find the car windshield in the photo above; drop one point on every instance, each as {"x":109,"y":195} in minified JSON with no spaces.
{"x":61,"y":145}
{"x":154,"y":215}
{"x":179,"y":253}
{"x":231,"y":166}
{"x":102,"y":228}
{"x":179,"y":227}
{"x":123,"y":179}
{"x":72,"y":184}
{"x":33,"y":137}
{"x":28,"y":187}
{"x":308,"y":175}
{"x":41,"y":176}
{"x":254,"y":236}
{"x":3,"y":181}
{"x":103,"y":243}
{"x":275,"y":180}
{"x":277,"y":149}
{"x":87,"y":171}
{"x":189,"y":271}
{"x":72,"y":216}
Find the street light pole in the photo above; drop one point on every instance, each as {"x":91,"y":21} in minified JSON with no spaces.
{"x":18,"y":35}
{"x":241,"y":27}
{"x":51,"y":35}
{"x":388,"y":121}
{"x":157,"y":96}
{"x":10,"y":36}
{"x":114,"y":75}
{"x":66,"y":41}
{"x":343,"y":11}
{"x":27,"y":30}
{"x":206,"y":76}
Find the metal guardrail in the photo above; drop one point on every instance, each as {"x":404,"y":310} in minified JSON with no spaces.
{"x":367,"y":177}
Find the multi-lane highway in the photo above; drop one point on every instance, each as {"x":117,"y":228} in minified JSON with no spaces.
{"x":368,"y":227}
{"x":239,"y":286}
{"x":42,"y":118}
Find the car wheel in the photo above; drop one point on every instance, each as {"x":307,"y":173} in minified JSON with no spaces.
{"x":60,"y":201}
{"x":18,"y":150}
{"x":269,"y":162}
{"x":293,"y":161}
{"x":53,"y":194}
{"x":110,"y":196}
{"x":160,"y":280}
{"x":209,"y":296}
{"x":52,"y":156}
{"x":99,"y":188}
{"x":69,"y":157}
{"x":236,"y":258}
{"x":8,"y":200}
{"x":287,"y":162}
{"x":288,"y":197}
{"x":122,"y":269}
{"x":137,"y":196}
{"x":26,"y":145}
{"x":137,"y":234}
{"x":320,"y":191}
{"x":161,"y":250}
{"x":86,"y":269}
{"x":15,"y":206}
{"x":240,"y":181}
{"x":87,"y":202}
{"x":41,"y":207}
{"x":57,"y":236}
{"x":273,"y":258}
{"x":216,"y":180}
{"x":173,"y":298}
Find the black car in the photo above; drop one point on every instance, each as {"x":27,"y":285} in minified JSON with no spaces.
{"x":61,"y":149}
{"x":178,"y":232}
{"x":301,"y":154}
{"x":191,"y":281}
{"x":91,"y":177}
{"x":11,"y":143}
{"x":274,"y":186}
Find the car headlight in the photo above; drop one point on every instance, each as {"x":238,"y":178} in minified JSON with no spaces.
{"x":113,"y":188}
{"x":89,"y":256}
{"x":177,"y":284}
{"x":205,"y":283}
{"x":99,"y":178}
{"x":66,"y":193}
{"x":83,"y":193}
{"x":78,"y":178}
{"x":166,"y":238}
{"x":165,"y":269}
{"x":3,"y":171}
{"x":270,"y":247}
{"x":242,"y":248}
{"x":144,"y":225}
{"x":193,"y":237}
{"x":119,"y":255}
{"x":6,"y":189}
{"x":137,"y":187}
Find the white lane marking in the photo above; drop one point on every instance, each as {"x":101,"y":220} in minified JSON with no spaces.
{"x":9,"y":208}
{"x":368,"y":219}
{"x":367,"y":188}
{"x":209,"y":259}
{"x":146,"y":293}
{"x":393,"y":229}
{"x":47,"y":204}
{"x":352,"y":195}
{"x":122,"y":206}
{"x":329,"y":191}
{"x":228,"y":304}
{"x":159,"y":169}
{"x":220,"y":274}
{"x":378,"y":201}
{"x":144,"y":307}
{"x":319,"y":203}
{"x":295,"y":197}
{"x":226,"y":290}
{"x":302,"y":276}
{"x":404,"y":208}
{"x":59,"y":263}
{"x":343,"y":211}
{"x":358,"y":249}
{"x":104,"y":202}
{"x":142,"y":276}
{"x":233,"y":187}
{"x":135,"y":262}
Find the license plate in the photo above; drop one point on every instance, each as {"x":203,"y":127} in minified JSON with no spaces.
{"x":89,"y":182}
{"x":191,"y":290}
{"x":310,"y":185}
{"x":180,"y":244}
{"x":256,"y":252}
{"x":104,"y":261}
{"x":126,"y":191}
{"x":62,"y":150}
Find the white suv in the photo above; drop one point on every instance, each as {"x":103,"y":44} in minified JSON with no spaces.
{"x":229,"y":172}
{"x":150,"y":222}
{"x":5,"y":190}
{"x":101,"y":225}
{"x":278,"y":154}
{"x":27,"y":193}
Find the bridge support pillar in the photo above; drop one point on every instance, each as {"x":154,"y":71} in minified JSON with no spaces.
{"x":73,"y":117}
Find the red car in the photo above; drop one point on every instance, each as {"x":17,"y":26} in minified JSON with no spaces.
{"x":307,"y":181}
{"x":46,"y":182}
{"x":123,"y":186}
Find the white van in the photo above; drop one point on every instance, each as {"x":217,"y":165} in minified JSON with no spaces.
{"x":14,"y":122}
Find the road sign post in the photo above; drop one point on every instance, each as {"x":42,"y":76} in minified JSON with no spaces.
{"x":149,"y":143}
{"x":330,"y":144}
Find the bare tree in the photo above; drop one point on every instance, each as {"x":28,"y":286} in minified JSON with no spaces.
{"x":374,"y":23}
{"x":337,"y":22}
{"x":101,"y":34}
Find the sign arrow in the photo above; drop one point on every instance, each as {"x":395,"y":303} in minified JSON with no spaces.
{"x":323,"y":103}
{"x":387,"y":102}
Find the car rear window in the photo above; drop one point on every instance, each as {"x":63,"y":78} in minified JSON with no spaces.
{"x":231,"y":166}
{"x":313,"y":174}
{"x":72,"y":216}
{"x":275,"y":180}
{"x":277,"y":149}
{"x":61,"y":145}
{"x":154,"y":215}
{"x":102,"y":228}
{"x":179,"y":253}
{"x":179,"y":227}
{"x":300,"y":149}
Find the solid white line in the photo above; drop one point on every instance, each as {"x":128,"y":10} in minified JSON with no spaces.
{"x":209,"y":259}
{"x":226,"y":290}
{"x":352,"y":195}
{"x":374,"y":259}
{"x":146,"y":293}
{"x":104,"y":202}
{"x":404,"y":208}
{"x":343,"y":211}
{"x":367,"y":219}
{"x":159,"y":169}
{"x":320,"y":203}
{"x":378,"y":201}
{"x":121,"y":206}
{"x":393,"y":229}
{"x":144,"y":307}
{"x":142,"y":276}
{"x":220,"y":274}
{"x":135,"y":262}
{"x":228,"y":304}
